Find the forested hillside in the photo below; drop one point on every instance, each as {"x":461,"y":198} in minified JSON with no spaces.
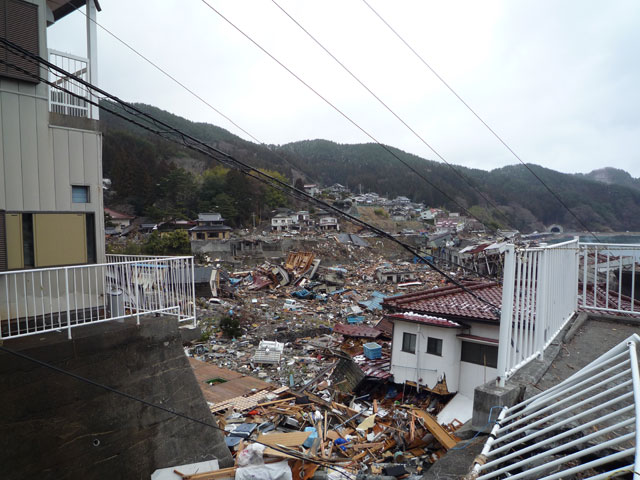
{"x":162,"y":180}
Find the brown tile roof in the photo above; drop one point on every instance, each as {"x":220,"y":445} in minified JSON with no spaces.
{"x":452,"y":302}
{"x":360,"y":331}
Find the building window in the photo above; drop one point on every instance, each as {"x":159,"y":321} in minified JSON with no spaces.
{"x":434,"y":346}
{"x":409,"y":342}
{"x":79,"y":194}
{"x":480,"y":354}
{"x":200,"y":236}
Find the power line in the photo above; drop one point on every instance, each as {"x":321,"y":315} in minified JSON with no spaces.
{"x":424,"y":62}
{"x":344,"y":115}
{"x":157,"y":406}
{"x":390,"y":110}
{"x":200,"y":98}
{"x":223,"y":157}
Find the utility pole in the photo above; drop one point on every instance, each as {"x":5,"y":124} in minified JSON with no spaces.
{"x":253,"y":217}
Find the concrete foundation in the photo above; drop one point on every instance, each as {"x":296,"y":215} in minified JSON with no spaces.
{"x":55,"y":426}
{"x":488,"y":400}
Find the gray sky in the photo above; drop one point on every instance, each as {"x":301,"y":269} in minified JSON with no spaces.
{"x":559,"y":81}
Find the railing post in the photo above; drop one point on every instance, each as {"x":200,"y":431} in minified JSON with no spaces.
{"x":542,"y":307}
{"x":135,"y":283}
{"x":66,"y":290}
{"x":193,"y":290}
{"x":506,"y":316}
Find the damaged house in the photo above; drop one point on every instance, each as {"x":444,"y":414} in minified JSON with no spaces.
{"x":446,"y":333}
{"x":210,"y":226}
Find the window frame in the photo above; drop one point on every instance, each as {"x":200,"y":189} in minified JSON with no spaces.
{"x":410,"y":345}
{"x":438,"y":349}
{"x":487,"y":355}
{"x":84,"y":188}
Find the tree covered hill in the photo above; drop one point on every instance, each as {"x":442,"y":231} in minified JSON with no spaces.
{"x":161,"y":179}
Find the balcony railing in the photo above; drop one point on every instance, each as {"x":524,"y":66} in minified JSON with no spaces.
{"x":43,"y":300}
{"x":539,"y":296}
{"x":544,"y":287}
{"x":608,"y":278}
{"x":61,"y":101}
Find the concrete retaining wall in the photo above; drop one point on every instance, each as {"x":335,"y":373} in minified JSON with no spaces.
{"x":55,"y":426}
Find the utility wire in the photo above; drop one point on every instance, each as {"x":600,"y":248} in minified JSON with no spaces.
{"x":344,"y":115}
{"x":424,"y":62}
{"x":157,"y":406}
{"x":390,"y":110}
{"x":200,"y":98}
{"x":223,"y":157}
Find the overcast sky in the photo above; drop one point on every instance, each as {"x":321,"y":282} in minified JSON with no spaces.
{"x":559,"y":81}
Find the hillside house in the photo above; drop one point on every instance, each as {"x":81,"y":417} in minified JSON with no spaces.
{"x":120,"y":221}
{"x":283,"y":221}
{"x":430,"y":213}
{"x":210,"y":226}
{"x":445,"y":332}
{"x":328,"y":221}
{"x":311,"y":189}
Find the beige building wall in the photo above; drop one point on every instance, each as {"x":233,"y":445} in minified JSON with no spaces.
{"x":40,"y":162}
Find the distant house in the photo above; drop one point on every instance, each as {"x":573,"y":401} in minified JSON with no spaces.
{"x":338,"y":188}
{"x":283,"y":221}
{"x":210,"y":226}
{"x":430,"y":213}
{"x":328,"y":221}
{"x":120,"y":220}
{"x":446,"y":332}
{"x":388,"y":275}
{"x":303,"y":218}
{"x":311,"y":189}
{"x":401,"y":201}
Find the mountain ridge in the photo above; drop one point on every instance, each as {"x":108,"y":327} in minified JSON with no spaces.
{"x":605,"y":199}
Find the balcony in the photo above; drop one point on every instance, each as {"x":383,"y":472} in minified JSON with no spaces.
{"x":52,"y":299}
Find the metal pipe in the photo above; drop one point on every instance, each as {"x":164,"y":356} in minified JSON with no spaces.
{"x":551,"y":452}
{"x":561,"y":423}
{"x":635,"y":376}
{"x":560,"y":436}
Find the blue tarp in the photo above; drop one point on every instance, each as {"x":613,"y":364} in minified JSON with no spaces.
{"x":355,"y":319}
{"x":303,"y":293}
{"x":337,"y":292}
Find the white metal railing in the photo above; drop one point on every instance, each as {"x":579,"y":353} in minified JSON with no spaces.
{"x":607,"y":278}
{"x":538,"y":298}
{"x":587,"y":426}
{"x":48,"y":299}
{"x":63,"y":102}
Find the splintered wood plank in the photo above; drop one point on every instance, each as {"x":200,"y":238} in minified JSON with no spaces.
{"x":439,"y":432}
{"x":291,"y":439}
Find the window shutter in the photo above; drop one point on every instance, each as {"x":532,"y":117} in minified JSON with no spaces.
{"x":19,"y":25}
{"x":3,"y":243}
